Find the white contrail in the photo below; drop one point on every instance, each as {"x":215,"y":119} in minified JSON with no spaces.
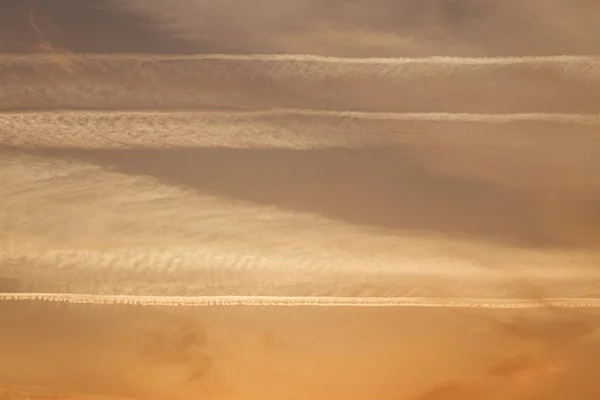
{"x":257,"y":82}
{"x":16,"y":58}
{"x":283,"y":301}
{"x":277,"y":128}
{"x":64,"y":116}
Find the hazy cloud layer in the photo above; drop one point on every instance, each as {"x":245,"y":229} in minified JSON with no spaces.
{"x":335,"y":27}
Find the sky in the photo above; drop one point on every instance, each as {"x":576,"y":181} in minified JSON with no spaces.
{"x":389,"y":28}
{"x":408,"y":149}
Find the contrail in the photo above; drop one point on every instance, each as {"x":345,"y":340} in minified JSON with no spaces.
{"x":277,"y":128}
{"x":16,"y":58}
{"x":284,"y":301}
{"x":258,"y":82}
{"x":64,"y":116}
